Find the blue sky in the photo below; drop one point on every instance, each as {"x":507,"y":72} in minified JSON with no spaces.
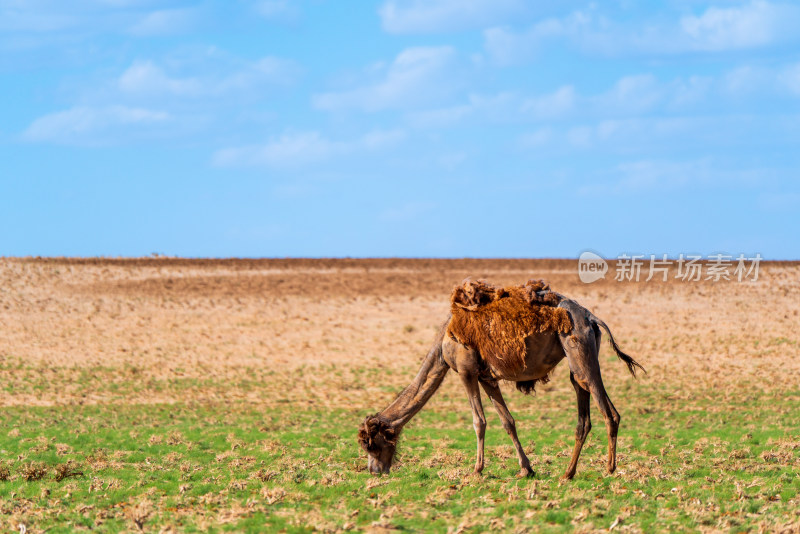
{"x":443,"y":128}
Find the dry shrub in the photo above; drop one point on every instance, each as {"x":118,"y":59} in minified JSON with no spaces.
{"x":43,"y":445}
{"x":273,"y":495}
{"x":175,"y":438}
{"x":778,"y":456}
{"x":237,"y":485}
{"x":739,"y":454}
{"x":5,"y":472}
{"x":34,"y":471}
{"x":242,"y":461}
{"x":495,"y":321}
{"x":139,"y":513}
{"x":186,"y":467}
{"x":331,"y":479}
{"x":234,"y":513}
{"x":66,"y":470}
{"x":172,"y":457}
{"x":263,"y":475}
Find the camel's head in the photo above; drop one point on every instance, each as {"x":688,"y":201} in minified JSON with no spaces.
{"x":377,"y":436}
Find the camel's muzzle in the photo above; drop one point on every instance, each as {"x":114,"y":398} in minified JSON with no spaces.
{"x":376,"y":468}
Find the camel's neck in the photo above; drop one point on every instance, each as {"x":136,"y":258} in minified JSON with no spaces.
{"x":415,"y":395}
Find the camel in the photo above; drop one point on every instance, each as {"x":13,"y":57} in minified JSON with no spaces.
{"x":542,"y":351}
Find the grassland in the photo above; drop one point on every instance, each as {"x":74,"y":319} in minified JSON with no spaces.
{"x":169,"y":395}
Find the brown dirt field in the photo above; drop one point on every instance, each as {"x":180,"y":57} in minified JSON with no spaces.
{"x":319,"y":331}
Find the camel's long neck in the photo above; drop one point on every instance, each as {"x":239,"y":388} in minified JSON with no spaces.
{"x":417,"y":393}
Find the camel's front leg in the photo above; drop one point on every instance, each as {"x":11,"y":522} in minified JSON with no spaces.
{"x":494,"y":393}
{"x":478,"y":418}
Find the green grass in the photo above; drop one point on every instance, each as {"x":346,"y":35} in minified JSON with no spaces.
{"x":688,"y":465}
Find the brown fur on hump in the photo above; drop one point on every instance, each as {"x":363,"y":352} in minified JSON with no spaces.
{"x":496,"y":320}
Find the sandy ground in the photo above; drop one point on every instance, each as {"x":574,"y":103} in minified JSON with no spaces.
{"x":307,"y":330}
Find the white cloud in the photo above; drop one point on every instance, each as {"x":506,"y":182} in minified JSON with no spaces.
{"x":663,"y":175}
{"x":691,"y":91}
{"x":649,"y":174}
{"x":664,"y":136}
{"x":747,"y":80}
{"x":500,"y":107}
{"x":267,"y":70}
{"x":415,"y":76}
{"x":508,"y":46}
{"x":220,"y":76}
{"x":303,"y":149}
{"x":743,"y":79}
{"x":580,"y":136}
{"x":424,"y":16}
{"x":789,"y":77}
{"x":144,"y":77}
{"x":536,"y":139}
{"x":164,"y":22}
{"x":633,"y":94}
{"x":287,"y":149}
{"x":441,"y":117}
{"x":89,"y":125}
{"x":18,"y":17}
{"x":756,"y":24}
{"x":193,"y":90}
{"x":85,"y":17}
{"x":556,"y":104}
{"x":282,"y":10}
{"x":378,"y":139}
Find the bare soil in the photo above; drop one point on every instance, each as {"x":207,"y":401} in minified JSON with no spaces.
{"x":320,"y":331}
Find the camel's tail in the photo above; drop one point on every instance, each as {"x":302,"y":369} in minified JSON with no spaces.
{"x":630,"y":362}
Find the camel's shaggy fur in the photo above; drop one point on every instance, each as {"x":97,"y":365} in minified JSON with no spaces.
{"x":374,"y":432}
{"x":495,"y":321}
{"x":529,"y":386}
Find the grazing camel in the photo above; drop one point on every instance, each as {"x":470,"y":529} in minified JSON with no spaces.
{"x":539,"y":352}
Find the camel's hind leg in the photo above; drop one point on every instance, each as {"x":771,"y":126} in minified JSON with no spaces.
{"x":581,"y":347}
{"x":583,"y":428}
{"x":612,"y":417}
{"x":478,"y":418}
{"x":492,"y":389}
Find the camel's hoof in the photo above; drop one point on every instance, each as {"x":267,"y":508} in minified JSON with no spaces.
{"x":525,"y":473}
{"x":566,"y":477}
{"x":611,"y":469}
